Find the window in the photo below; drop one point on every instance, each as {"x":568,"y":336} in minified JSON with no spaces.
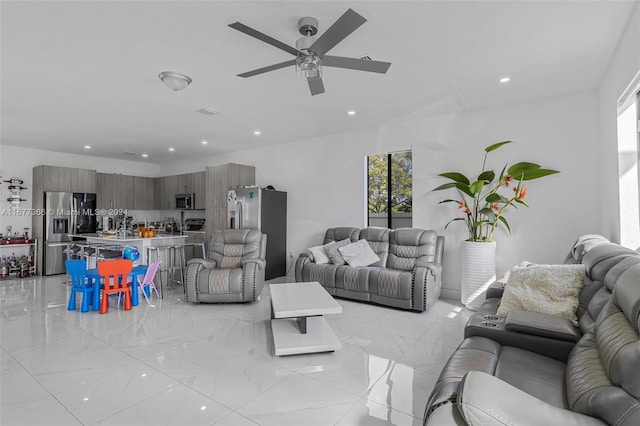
{"x":628,"y":172}
{"x":389,"y":193}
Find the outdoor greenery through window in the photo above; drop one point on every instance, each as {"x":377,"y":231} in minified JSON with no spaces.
{"x":389,"y":189}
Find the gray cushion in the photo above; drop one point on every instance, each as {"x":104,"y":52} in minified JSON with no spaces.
{"x":332,"y":251}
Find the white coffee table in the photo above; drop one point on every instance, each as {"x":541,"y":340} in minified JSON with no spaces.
{"x":298,"y":325}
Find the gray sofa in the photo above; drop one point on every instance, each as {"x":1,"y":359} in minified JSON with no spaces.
{"x":407,"y":276}
{"x":234,"y":271}
{"x":534,"y":369}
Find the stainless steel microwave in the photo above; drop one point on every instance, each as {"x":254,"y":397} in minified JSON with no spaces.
{"x":185,"y":201}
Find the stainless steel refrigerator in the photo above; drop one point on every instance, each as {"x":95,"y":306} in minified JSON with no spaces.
{"x":65,"y":213}
{"x":266,"y":210}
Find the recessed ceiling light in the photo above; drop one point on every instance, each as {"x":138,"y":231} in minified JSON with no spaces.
{"x":204,"y":142}
{"x":172,"y":149}
{"x":87,"y":147}
{"x":257,"y":132}
{"x":505,"y":79}
{"x":352,"y":112}
{"x":145,"y":155}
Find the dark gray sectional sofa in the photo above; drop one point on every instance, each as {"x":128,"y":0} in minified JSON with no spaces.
{"x":534,"y":369}
{"x":408,"y":275}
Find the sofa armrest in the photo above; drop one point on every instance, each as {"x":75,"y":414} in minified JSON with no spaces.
{"x":206,"y":263}
{"x":260,"y":262}
{"x":306,"y":254}
{"x":542,"y":325}
{"x":486,"y":400}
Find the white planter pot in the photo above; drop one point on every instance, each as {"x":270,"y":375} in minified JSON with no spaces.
{"x":478,"y":271}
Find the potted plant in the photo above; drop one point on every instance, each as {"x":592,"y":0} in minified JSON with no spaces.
{"x":484,"y":202}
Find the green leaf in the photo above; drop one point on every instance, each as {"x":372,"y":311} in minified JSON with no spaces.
{"x":487,"y":176}
{"x":453,"y":220}
{"x":488,"y":213}
{"x":445,"y":186}
{"x":449,"y":201}
{"x":496,"y":146}
{"x":476,"y":187}
{"x":496,"y":198}
{"x":464,"y":188}
{"x":502,"y":173}
{"x":506,"y":224}
{"x":519,"y":168}
{"x":521,"y":202}
{"x":538,"y":173}
{"x":455,"y":176}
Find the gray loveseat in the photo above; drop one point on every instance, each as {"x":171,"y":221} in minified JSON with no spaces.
{"x":534,"y":369}
{"x":407,"y":276}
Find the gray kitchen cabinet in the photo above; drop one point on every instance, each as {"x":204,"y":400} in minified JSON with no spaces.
{"x":199,"y":185}
{"x":115,"y":193}
{"x":143,"y":193}
{"x":64,"y":179}
{"x":83,"y":180}
{"x":165,"y":191}
{"x":185,"y":183}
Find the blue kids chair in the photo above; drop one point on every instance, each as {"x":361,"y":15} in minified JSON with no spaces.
{"x":77,"y":271}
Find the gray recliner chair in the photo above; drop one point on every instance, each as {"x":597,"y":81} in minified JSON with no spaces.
{"x":234,"y":271}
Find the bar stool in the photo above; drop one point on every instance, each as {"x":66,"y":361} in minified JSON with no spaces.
{"x":177,"y":260}
{"x":195,"y":245}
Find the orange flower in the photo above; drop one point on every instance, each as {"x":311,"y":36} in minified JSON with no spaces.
{"x":507,"y":180}
{"x":495,"y":207}
{"x":523,"y":193}
{"x":463,"y":206}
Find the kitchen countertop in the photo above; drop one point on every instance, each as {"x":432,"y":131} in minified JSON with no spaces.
{"x":128,"y":238}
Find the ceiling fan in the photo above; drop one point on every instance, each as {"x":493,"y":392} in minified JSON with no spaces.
{"x":310,"y":52}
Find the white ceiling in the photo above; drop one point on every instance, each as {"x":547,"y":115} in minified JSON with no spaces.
{"x":85,"y":73}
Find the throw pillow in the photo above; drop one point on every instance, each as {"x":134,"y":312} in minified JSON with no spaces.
{"x":319,"y":255}
{"x":332,"y":251}
{"x":359,"y":253}
{"x":546,"y":289}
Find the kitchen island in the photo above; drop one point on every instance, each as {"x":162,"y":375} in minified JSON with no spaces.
{"x":142,"y":244}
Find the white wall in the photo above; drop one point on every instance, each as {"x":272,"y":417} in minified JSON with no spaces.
{"x":624,"y":65}
{"x":19,"y":163}
{"x":324,"y":177}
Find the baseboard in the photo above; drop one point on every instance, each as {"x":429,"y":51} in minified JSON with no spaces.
{"x":448,"y":293}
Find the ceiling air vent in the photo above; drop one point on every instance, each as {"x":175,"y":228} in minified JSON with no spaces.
{"x":208,"y":111}
{"x":366,"y":57}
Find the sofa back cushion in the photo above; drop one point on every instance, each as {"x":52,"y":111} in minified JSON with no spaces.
{"x":407,"y":246}
{"x":602,"y":371}
{"x":340,"y":233}
{"x":378,"y":239}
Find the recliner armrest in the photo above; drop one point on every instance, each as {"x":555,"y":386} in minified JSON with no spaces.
{"x":261,"y":262}
{"x":433,"y":267}
{"x":206,"y":263}
{"x":306,"y":254}
{"x":542,"y":325}
{"x":486,"y":400}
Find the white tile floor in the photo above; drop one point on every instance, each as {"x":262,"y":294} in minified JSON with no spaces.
{"x":183,"y":364}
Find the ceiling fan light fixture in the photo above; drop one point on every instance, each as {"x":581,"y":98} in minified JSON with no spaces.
{"x":309,"y":66}
{"x":174,"y":81}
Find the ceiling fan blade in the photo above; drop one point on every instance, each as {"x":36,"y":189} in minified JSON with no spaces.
{"x":267,"y":69}
{"x":315,"y":84}
{"x":345,"y":25}
{"x":263,"y":37}
{"x":356,"y":64}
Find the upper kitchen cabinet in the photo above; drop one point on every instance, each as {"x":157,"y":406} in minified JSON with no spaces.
{"x":165,"y":192}
{"x":115,"y":193}
{"x":185,"y":184}
{"x":143,"y":193}
{"x":219,"y":179}
{"x":64,"y":179}
{"x":199,"y":185}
